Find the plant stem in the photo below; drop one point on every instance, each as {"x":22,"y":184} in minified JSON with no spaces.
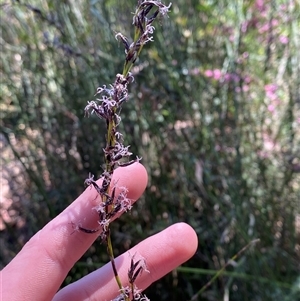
{"x":218,"y":274}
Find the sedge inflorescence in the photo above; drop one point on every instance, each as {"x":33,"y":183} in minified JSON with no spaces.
{"x":107,"y":106}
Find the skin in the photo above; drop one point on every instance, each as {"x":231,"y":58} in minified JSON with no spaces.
{"x":37,"y":272}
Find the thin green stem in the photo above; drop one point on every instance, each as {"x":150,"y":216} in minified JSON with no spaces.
{"x":112,"y":260}
{"x":218,"y":274}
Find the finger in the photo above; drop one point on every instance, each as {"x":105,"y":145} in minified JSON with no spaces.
{"x":39,"y":269}
{"x":162,"y":252}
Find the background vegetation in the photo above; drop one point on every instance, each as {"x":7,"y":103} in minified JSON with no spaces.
{"x":214,"y":112}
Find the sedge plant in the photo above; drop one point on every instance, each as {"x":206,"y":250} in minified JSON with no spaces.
{"x":107,"y":106}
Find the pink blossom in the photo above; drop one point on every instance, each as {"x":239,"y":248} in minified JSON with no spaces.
{"x":232,"y":38}
{"x":208,"y":73}
{"x":246,"y":88}
{"x":260,"y":5}
{"x":267,"y":26}
{"x":271,"y":108}
{"x":271,"y":90}
{"x":283,"y":39}
{"x":274,"y":22}
{"x":247,"y":79}
{"x":264,"y":28}
{"x":217,"y":74}
{"x":271,"y":95}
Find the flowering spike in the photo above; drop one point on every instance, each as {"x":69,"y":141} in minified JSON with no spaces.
{"x":107,"y":106}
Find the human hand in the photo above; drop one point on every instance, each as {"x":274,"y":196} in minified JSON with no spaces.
{"x":37,"y":272}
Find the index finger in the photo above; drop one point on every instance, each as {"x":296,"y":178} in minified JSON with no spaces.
{"x":37,"y":272}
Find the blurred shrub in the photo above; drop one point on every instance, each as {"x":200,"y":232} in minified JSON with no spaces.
{"x":214,"y":112}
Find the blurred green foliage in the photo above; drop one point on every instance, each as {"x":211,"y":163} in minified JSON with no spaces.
{"x":214,"y":112}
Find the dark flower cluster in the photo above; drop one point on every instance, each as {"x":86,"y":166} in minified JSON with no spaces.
{"x":131,"y":292}
{"x":145,"y":14}
{"x":107,"y":108}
